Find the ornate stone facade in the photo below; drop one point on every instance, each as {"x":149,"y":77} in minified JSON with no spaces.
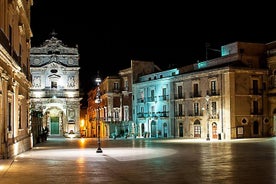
{"x":55,"y":87}
{"x":15,"y":35}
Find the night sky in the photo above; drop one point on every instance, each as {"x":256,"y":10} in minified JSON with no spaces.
{"x":168,"y":33}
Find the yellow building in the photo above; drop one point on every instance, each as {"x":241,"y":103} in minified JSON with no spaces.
{"x":15,"y":36}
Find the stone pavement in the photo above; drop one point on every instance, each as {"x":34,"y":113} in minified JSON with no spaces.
{"x":63,"y":160}
{"x":4,"y":166}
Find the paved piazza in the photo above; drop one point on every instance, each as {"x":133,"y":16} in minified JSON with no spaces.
{"x":123,"y":161}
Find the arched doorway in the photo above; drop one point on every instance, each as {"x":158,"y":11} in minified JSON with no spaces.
{"x":54,"y":121}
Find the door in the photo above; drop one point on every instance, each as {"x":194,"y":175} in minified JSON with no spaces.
{"x":54,"y":125}
{"x":180,"y":130}
{"x":214,"y":131}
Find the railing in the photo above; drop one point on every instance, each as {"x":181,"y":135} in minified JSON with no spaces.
{"x":49,"y":93}
{"x":195,"y":114}
{"x":195,"y":94}
{"x":163,"y":97}
{"x":163,"y":114}
{"x":256,"y":91}
{"x":179,"y":96}
{"x":213,"y":92}
{"x":257,"y":112}
{"x":151,"y":99}
{"x":140,"y":100}
{"x":179,"y":114}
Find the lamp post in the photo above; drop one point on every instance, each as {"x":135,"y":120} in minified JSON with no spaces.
{"x":98,"y":101}
{"x":208,"y":116}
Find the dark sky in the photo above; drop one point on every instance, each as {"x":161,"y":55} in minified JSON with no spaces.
{"x":110,"y":35}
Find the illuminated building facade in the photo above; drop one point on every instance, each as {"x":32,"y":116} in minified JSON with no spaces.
{"x":55,"y":87}
{"x":229,"y":97}
{"x":152,"y":104}
{"x":15,"y":35}
{"x":235,"y":84}
{"x":270,"y":119}
{"x":116,"y":118}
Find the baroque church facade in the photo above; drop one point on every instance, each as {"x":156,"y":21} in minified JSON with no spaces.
{"x":55,"y":100}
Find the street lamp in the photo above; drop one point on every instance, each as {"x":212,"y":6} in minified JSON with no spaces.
{"x":98,"y":101}
{"x":208,"y":116}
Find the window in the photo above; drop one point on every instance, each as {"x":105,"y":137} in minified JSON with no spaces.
{"x":179,"y":91}
{"x":195,"y":88}
{"x":126,"y":84}
{"x":255,"y":107}
{"x":213,"y":87}
{"x":152,"y":95}
{"x":116,"y":85}
{"x":180,"y":110}
{"x":10,"y":115}
{"x":255,"y":87}
{"x":53,"y":84}
{"x":10,"y":37}
{"x":19,"y":117}
{"x":142,"y":109}
{"x":214,"y":108}
{"x":164,"y":91}
{"x":196,"y":111}
{"x":116,"y":114}
{"x":164,"y":110}
{"x":126,"y":114}
{"x":152,"y":109}
{"x":197,"y":131}
{"x":264,"y":86}
{"x":142,"y":95}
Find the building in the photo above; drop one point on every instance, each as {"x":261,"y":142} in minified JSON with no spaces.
{"x":228,"y":97}
{"x":153,"y":104}
{"x":15,"y":80}
{"x":55,"y":88}
{"x":270,"y":119}
{"x":116,"y":118}
{"x":112,"y":104}
{"x":221,"y":98}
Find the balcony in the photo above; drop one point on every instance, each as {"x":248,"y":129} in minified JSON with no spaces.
{"x":195,"y":94}
{"x":195,"y":114}
{"x":163,"y":97}
{"x":141,"y":115}
{"x":50,"y":93}
{"x":163,"y":114}
{"x":151,"y":99}
{"x":140,"y":100}
{"x":257,"y":112}
{"x":179,"y":114}
{"x":213,"y":92}
{"x":214,"y":116}
{"x":179,"y":96}
{"x":256,"y":92}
